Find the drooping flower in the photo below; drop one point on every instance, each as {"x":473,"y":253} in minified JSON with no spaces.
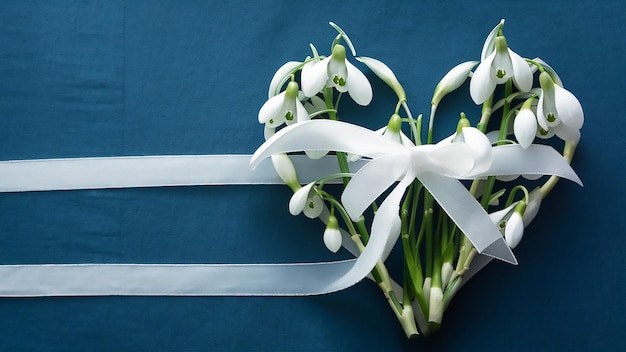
{"x":498,"y":64}
{"x":332,"y":235}
{"x":285,"y":170}
{"x":336,"y":71}
{"x":306,"y":201}
{"x":514,"y":229}
{"x":525,"y":125}
{"x":283,"y":108}
{"x":559,"y":110}
{"x":452,"y":80}
{"x":383,"y":72}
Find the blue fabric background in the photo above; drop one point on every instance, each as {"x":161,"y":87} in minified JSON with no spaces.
{"x":105,"y":78}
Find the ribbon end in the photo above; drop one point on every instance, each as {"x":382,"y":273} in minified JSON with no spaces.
{"x":500,"y":250}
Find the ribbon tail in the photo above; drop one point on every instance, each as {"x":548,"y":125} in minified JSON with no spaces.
{"x":385,"y":232}
{"x":371,"y":181}
{"x":469,"y":216}
{"x":535,"y":160}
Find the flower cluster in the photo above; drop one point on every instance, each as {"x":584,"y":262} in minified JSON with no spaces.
{"x":407,"y":188}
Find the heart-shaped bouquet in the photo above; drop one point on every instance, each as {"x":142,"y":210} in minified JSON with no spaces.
{"x":454,"y":204}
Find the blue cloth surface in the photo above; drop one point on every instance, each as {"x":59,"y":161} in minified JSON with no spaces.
{"x":107,"y":78}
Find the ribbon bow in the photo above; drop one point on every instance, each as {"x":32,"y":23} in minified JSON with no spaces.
{"x":438,"y":167}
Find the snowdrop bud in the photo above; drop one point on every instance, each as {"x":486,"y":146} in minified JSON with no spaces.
{"x":332,"y":235}
{"x":514,"y":229}
{"x":525,"y":125}
{"x":393,"y":128}
{"x":452,"y":80}
{"x":285,"y":170}
{"x":395,"y":124}
{"x":385,"y":74}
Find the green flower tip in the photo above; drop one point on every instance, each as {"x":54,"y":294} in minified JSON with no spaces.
{"x":332,"y":223}
{"x":339,"y":53}
{"x":292,"y":90}
{"x":395,"y":123}
{"x":463,"y":122}
{"x":520,"y":208}
{"x":545,"y":81}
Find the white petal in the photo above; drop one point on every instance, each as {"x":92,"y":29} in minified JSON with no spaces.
{"x":545,"y":134}
{"x":271,"y":110}
{"x":522,"y":74}
{"x":385,"y":74}
{"x":332,"y":239}
{"x":301,"y":113}
{"x":358,"y":86}
{"x":315,"y":104}
{"x":482,"y":84}
{"x":299,"y":199}
{"x":501,"y":214}
{"x":315,"y":154}
{"x":567,"y":133}
{"x":314,"y":207}
{"x":502,"y":62}
{"x":568,"y":108}
{"x":541,"y":116}
{"x":506,"y":178}
{"x":337,"y":68}
{"x":314,"y":76}
{"x":514,"y":230}
{"x":452,"y":80}
{"x":285,"y":169}
{"x":268,"y":132}
{"x":281,"y":76}
{"x":525,"y":127}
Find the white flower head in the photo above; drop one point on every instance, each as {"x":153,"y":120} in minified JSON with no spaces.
{"x":497,"y":67}
{"x":285,"y":170}
{"x":336,"y":71}
{"x":283,"y":108}
{"x":452,"y":80}
{"x":332,"y":234}
{"x":306,"y":201}
{"x":510,"y":222}
{"x":559,"y":110}
{"x":525,"y":125}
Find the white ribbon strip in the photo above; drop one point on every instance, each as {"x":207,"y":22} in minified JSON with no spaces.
{"x":165,"y":279}
{"x":171,"y":279}
{"x":202,"y":279}
{"x":150,"y":171}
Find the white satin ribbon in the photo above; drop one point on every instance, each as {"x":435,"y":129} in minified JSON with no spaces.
{"x":437,"y":166}
{"x":220,"y":279}
{"x":150,"y":171}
